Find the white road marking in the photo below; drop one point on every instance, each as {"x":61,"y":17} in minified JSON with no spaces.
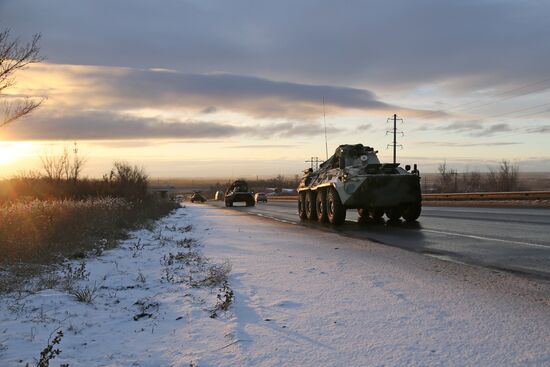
{"x":487,"y":238}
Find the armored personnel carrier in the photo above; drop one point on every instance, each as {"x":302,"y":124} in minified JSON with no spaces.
{"x":354,"y":178}
{"x":239,"y":192}
{"x":197,"y":198}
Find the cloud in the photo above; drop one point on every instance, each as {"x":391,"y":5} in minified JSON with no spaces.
{"x":462,"y":126}
{"x":262,"y":146}
{"x":473,"y":128}
{"x":496,"y":128}
{"x":364,"y":127}
{"x":123,"y":89}
{"x":209,"y":109}
{"x":462,"y":145}
{"x":539,"y":130}
{"x":101,"y":125}
{"x":427,"y":41}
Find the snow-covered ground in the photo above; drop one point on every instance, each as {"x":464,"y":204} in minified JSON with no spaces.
{"x":302,"y":297}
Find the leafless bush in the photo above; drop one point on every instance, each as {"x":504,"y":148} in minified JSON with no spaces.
{"x":187,"y":228}
{"x":216,"y":275}
{"x":84,"y":295}
{"x":71,"y":274}
{"x":66,"y":165}
{"x":50,"y":351}
{"x":137,"y":247}
{"x":141,"y":278}
{"x":145,"y":307}
{"x":187,"y":242}
{"x":225,"y":299}
{"x":127,"y":181}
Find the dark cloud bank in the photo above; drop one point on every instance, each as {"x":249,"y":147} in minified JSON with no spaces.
{"x":480,"y":42}
{"x":112,"y":126}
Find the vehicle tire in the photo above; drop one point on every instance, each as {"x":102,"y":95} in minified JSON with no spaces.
{"x":321,"y":206}
{"x":336,"y":211}
{"x":228,"y":203}
{"x":302,"y":205}
{"x":310,"y":205}
{"x":412,"y":212}
{"x":376,"y":213}
{"x":393,"y":214}
{"x":363,"y":215}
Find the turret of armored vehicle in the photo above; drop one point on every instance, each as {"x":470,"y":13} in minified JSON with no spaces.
{"x":354,"y":178}
{"x":239,"y":192}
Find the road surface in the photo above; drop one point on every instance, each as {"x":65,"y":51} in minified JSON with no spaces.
{"x":511,"y":239}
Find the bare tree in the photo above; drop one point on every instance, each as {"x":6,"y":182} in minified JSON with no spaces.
{"x":448,"y":179}
{"x":15,"y":56}
{"x":54,"y":165}
{"x":508,"y":176}
{"x":67,"y":165}
{"x":75,"y":165}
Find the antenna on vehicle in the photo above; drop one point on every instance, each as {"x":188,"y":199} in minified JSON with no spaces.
{"x":325,"y":120}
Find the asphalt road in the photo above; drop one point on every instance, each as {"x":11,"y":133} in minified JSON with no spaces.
{"x":511,"y":239}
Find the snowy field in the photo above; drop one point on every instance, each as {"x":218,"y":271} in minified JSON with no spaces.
{"x":295,"y":297}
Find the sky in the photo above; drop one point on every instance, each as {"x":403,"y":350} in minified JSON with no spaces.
{"x":244,"y":88}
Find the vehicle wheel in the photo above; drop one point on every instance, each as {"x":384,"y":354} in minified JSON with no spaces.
{"x":228,"y":203}
{"x":363,"y":215}
{"x":321,"y":206}
{"x":376,"y":213}
{"x":335,"y":209}
{"x":393,"y":214}
{"x":302,"y":205}
{"x":310,"y":205}
{"x":412,"y":212}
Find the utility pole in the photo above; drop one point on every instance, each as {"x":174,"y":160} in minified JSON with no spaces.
{"x":314,"y":163}
{"x":394,"y":131}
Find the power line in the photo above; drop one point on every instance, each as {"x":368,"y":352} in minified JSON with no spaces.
{"x":495,"y":95}
{"x":519,"y":110}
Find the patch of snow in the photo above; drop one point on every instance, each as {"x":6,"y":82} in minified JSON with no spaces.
{"x":301,"y":298}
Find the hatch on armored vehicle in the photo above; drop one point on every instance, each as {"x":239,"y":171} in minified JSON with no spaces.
{"x":354,"y":178}
{"x":239,"y":192}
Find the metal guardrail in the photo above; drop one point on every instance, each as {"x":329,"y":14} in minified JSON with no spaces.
{"x":516,"y":195}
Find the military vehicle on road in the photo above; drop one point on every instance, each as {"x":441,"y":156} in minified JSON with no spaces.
{"x":354,"y":178}
{"x":197,"y":198}
{"x":239,"y":192}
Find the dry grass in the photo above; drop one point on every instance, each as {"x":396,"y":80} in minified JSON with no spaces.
{"x":42,"y":231}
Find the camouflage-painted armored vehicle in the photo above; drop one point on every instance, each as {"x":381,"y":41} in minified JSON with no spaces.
{"x":354,"y":178}
{"x":197,"y":198}
{"x":239,"y":192}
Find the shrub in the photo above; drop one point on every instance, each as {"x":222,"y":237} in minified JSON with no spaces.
{"x":39,"y":231}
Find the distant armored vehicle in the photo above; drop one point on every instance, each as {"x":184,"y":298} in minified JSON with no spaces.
{"x":354,"y":178}
{"x":197,"y":197}
{"x":239,"y":192}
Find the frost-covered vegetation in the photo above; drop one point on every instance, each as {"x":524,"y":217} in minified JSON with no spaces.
{"x":45,"y":218}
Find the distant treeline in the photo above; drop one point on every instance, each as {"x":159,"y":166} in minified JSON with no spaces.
{"x":61,"y":178}
{"x":503,"y":178}
{"x":123,"y":181}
